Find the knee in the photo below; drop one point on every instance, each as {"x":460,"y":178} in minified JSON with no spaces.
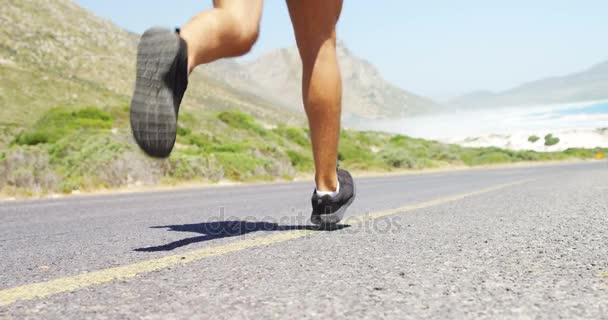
{"x":318,"y":46}
{"x":246,"y":38}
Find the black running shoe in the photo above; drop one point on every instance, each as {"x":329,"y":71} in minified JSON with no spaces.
{"x":162,"y":79}
{"x":327,"y":210}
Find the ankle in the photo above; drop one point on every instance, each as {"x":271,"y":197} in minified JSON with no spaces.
{"x":327,"y":184}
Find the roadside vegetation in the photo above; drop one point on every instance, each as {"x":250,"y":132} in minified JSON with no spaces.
{"x":533,"y":138}
{"x":551,"y":140}
{"x":91,"y":148}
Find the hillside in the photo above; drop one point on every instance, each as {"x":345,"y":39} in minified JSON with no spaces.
{"x":366,"y":94}
{"x":56,"y":53}
{"x":591,"y":84}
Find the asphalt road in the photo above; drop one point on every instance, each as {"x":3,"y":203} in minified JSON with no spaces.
{"x":490,"y":243}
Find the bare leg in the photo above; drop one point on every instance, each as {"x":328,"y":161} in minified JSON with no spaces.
{"x":229,"y":29}
{"x":314,"y":23}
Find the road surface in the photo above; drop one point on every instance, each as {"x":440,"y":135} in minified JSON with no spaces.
{"x":508,"y":243}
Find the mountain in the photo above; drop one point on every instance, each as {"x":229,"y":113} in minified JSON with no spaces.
{"x":276,"y":76}
{"x":591,"y":84}
{"x":55,"y":53}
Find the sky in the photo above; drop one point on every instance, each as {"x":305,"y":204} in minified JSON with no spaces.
{"x":435,"y":48}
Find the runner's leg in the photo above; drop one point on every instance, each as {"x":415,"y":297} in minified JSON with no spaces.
{"x":165,"y":60}
{"x":314,"y":23}
{"x":228,"y":30}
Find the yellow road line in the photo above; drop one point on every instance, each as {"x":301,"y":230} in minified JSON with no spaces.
{"x":73,"y":283}
{"x":426,"y":204}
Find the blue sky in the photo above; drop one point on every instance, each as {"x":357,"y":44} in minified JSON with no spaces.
{"x":434,"y":48}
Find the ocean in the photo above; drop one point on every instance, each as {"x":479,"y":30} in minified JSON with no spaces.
{"x":596,"y":108}
{"x":461,"y":124}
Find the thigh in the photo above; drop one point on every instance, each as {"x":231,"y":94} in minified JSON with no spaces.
{"x":314,"y":21}
{"x":248,"y":12}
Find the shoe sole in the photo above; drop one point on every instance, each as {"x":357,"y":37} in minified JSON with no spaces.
{"x":153,"y":113}
{"x":330,"y":220}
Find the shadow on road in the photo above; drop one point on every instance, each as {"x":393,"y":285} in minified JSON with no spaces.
{"x":223,"y":229}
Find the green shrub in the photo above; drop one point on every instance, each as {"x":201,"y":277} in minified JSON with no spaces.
{"x":296,"y":135}
{"x":32,"y":138}
{"x":580,"y":153}
{"x":399,"y":139}
{"x":526,"y":156}
{"x":230,"y":147}
{"x":445,"y":156}
{"x":300,"y":161}
{"x":240,"y":120}
{"x":494,"y":157}
{"x":188,"y":120}
{"x":398,"y":158}
{"x":60,"y":122}
{"x":533,"y":138}
{"x":181,"y":131}
{"x":27,"y":168}
{"x":367,"y":138}
{"x":187,"y":167}
{"x":200,"y":140}
{"x":550,"y":140}
{"x":84,"y":155}
{"x":120,"y":115}
{"x":444,"y":152}
{"x":68,"y":186}
{"x":483,"y":156}
{"x":92,"y":113}
{"x":352,"y":152}
{"x":239,"y":166}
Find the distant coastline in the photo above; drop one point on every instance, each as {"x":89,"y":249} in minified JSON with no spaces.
{"x":577,"y":125}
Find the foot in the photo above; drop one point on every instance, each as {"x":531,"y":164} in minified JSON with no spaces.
{"x":328,"y":210}
{"x":162,"y":78}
